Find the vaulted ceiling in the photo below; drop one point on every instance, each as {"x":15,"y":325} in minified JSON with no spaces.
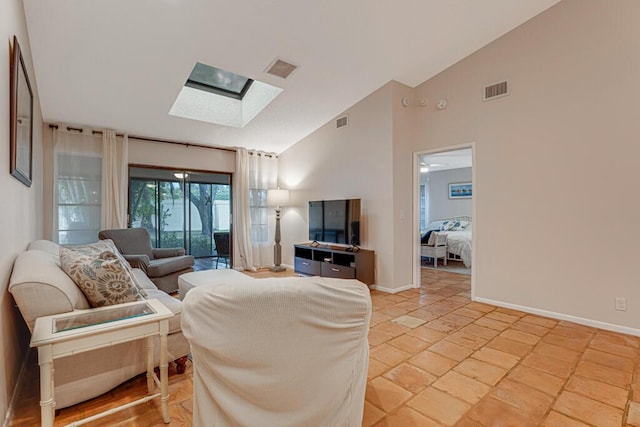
{"x":121,"y":64}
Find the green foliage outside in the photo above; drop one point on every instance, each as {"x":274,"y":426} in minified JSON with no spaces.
{"x":146,"y":196}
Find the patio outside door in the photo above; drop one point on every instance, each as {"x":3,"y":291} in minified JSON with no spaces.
{"x":180,"y":208}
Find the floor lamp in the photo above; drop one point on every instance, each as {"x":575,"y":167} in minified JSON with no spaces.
{"x":277,"y":198}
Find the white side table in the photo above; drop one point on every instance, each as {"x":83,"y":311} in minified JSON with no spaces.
{"x":65,"y":334}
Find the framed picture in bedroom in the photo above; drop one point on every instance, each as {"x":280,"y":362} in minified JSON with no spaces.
{"x":21,"y":115}
{"x":460,"y":190}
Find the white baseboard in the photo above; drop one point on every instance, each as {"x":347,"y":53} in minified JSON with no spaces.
{"x":561,"y":316}
{"x":391,"y":290}
{"x":16,"y":390}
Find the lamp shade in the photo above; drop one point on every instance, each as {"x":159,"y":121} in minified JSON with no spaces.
{"x":277,"y":197}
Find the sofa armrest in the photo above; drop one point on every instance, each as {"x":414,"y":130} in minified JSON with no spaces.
{"x":167,"y":252}
{"x":138,"y":261}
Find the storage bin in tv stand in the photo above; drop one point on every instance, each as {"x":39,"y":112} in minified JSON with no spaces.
{"x":334,"y":261}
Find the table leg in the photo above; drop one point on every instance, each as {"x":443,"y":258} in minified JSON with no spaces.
{"x":47,"y":400}
{"x":164,"y":374}
{"x":149,"y":348}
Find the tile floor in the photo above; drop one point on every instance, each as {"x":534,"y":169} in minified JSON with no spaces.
{"x":438,"y":359}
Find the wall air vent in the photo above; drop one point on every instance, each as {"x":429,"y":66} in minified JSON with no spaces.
{"x":495,"y":90}
{"x":280,"y":68}
{"x":342,"y":122}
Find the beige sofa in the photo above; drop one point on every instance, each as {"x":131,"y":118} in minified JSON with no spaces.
{"x":40,"y":287}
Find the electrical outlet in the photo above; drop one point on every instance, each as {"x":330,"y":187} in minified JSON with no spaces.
{"x":621,"y":304}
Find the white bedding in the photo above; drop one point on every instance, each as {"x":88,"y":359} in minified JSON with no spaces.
{"x":459,"y":243}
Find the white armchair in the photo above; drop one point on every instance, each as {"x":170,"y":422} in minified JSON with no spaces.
{"x":278,"y":352}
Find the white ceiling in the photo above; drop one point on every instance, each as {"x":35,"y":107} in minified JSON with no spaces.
{"x":121,"y":63}
{"x":446,"y":160}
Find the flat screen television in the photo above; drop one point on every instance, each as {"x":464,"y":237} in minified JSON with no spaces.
{"x":335,"y":221}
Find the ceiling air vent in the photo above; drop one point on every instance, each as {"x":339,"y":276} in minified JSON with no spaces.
{"x":342,"y":122}
{"x":495,"y":90}
{"x":281,"y":68}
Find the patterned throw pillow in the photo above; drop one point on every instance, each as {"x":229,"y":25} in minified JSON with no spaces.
{"x":460,"y":225}
{"x":447,"y":225}
{"x":101,"y":246}
{"x":102,"y":278}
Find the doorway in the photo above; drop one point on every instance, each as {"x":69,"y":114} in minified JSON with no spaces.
{"x":444,"y":203}
{"x":182,"y":208}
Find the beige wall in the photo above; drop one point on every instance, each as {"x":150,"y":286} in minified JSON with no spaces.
{"x":404,"y":121}
{"x":180,"y":156}
{"x":440,"y":205}
{"x":555,"y":164}
{"x":556,"y":160}
{"x":21,"y":213}
{"x":351,"y":162}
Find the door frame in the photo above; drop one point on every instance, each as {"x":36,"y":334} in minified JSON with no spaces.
{"x":416,"y":210}
{"x":185,"y":208}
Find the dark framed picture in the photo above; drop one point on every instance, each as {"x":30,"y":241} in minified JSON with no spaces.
{"x":21,"y":128}
{"x":460,"y":190}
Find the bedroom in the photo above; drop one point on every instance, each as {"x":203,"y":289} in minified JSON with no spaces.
{"x":446,"y":210}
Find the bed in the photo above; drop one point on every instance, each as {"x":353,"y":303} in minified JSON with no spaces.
{"x":458,"y":234}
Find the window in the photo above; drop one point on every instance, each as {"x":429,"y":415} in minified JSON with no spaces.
{"x":78,"y":198}
{"x":218,"y":96}
{"x":215,"y":80}
{"x":259,"y":215}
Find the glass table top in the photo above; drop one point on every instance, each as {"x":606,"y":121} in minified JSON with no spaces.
{"x":101,"y":317}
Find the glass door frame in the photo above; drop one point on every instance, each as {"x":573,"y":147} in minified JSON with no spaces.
{"x":186,"y":223}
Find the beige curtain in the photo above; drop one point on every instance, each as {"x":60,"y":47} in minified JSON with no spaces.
{"x":115,"y":160}
{"x":263,"y":175}
{"x":241,"y":211}
{"x":76,"y":187}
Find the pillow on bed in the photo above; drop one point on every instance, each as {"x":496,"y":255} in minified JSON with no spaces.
{"x":424,"y":240}
{"x":447,"y":225}
{"x":437,"y":239}
{"x":460,"y":225}
{"x":435,"y":225}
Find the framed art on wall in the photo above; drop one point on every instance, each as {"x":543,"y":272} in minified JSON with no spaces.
{"x":21,"y":127}
{"x":460,"y":190}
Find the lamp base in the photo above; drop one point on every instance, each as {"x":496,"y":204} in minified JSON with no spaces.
{"x":278,"y":268}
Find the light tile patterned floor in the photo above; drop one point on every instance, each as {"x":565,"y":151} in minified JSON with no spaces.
{"x":438,"y":359}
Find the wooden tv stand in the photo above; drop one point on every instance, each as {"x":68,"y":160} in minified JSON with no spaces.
{"x":334,"y":261}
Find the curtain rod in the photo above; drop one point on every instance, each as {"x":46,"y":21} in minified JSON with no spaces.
{"x":144,"y":138}
{"x":163,"y":141}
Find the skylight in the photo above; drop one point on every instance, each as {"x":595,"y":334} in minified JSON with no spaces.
{"x":216,"y":80}
{"x":221,"y":97}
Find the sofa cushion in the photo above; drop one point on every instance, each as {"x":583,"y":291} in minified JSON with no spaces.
{"x":41,"y":288}
{"x":173,"y":304}
{"x":46,"y":246}
{"x":163,"y":266}
{"x":143,"y":280}
{"x":95,"y":249}
{"x":103,"y":278}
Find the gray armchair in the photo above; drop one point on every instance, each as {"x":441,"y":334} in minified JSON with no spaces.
{"x":161,"y":265}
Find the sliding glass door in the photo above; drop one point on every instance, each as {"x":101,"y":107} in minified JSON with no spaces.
{"x":180,"y":208}
{"x":209,"y":212}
